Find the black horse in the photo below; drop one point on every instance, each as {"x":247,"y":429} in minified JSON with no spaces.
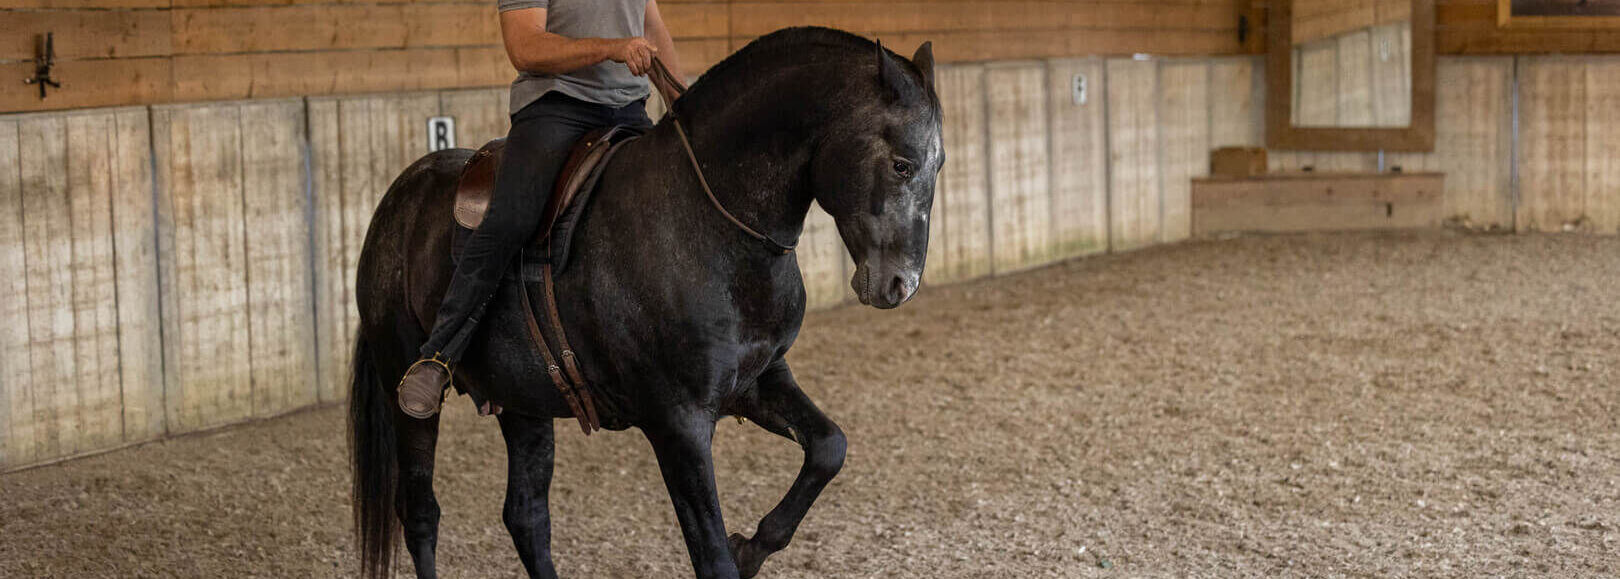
{"x":678,"y":316}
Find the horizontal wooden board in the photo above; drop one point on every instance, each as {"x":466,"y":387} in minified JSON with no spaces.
{"x":89,"y":83}
{"x":757,"y":18}
{"x":85,"y":4}
{"x":85,"y":33}
{"x":333,"y":27}
{"x":244,"y":76}
{"x":1327,"y":202}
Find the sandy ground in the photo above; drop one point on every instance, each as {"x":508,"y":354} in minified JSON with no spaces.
{"x":1323,"y":406}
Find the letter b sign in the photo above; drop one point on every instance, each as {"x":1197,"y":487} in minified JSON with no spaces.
{"x":441,"y":133}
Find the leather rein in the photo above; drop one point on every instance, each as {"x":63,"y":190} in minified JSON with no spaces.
{"x":670,"y":88}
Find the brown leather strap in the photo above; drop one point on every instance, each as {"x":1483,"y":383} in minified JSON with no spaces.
{"x":587,"y":418}
{"x":669,"y":87}
{"x":566,"y":351}
{"x":687,"y":144}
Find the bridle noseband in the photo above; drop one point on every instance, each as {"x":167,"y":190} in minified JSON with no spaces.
{"x":670,"y":89}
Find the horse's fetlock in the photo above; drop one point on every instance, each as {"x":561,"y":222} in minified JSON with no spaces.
{"x":772,"y":542}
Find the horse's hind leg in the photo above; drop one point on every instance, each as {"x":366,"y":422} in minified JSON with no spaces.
{"x":529,"y":456}
{"x":415,"y":504}
{"x":785,"y":410}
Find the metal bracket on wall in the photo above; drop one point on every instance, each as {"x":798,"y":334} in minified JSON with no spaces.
{"x":44,"y":60}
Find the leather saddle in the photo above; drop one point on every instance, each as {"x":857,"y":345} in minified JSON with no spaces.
{"x":578,"y":177}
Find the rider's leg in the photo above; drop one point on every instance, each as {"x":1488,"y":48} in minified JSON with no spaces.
{"x":536,"y":148}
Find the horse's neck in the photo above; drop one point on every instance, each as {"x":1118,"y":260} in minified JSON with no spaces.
{"x":755,"y":153}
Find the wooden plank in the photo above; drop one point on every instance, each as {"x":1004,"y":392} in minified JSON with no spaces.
{"x":140,"y":349}
{"x":17,"y":422}
{"x":1470,"y":27}
{"x":206,"y":330}
{"x":48,"y":248}
{"x":280,"y":330}
{"x":870,"y":18}
{"x":1184,"y":101}
{"x":85,"y":33}
{"x":821,"y":258}
{"x":1133,"y":145}
{"x":91,"y":139}
{"x":959,"y":234}
{"x":241,"y":76}
{"x":334,"y":333}
{"x":480,"y":114}
{"x":1474,"y":140}
{"x":1237,"y":98}
{"x":360,"y":145}
{"x":1552,"y":162}
{"x":1078,"y":130}
{"x":86,"y":4}
{"x":989,"y":45}
{"x":88,"y":83}
{"x":1603,"y":144}
{"x":1318,"y":203}
{"x":1020,"y":171}
{"x":1316,"y":20}
{"x":223,"y":30}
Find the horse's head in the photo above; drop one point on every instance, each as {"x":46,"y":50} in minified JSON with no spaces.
{"x":875,"y":172}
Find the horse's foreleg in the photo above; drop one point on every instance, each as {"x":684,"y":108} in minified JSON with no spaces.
{"x":682,"y":446}
{"x":529,"y":458}
{"x":415,"y":504}
{"x":785,"y":410}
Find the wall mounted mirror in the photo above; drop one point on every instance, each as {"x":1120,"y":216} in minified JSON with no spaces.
{"x":1351,"y":75}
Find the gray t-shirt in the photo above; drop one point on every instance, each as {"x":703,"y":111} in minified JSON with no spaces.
{"x":608,"y":83}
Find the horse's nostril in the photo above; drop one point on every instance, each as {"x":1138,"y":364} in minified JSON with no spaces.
{"x":896,"y":292}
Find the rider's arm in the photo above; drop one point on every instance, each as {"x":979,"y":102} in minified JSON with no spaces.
{"x":661,"y":40}
{"x":532,"y":49}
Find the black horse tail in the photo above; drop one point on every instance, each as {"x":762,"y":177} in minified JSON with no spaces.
{"x":376,"y":467}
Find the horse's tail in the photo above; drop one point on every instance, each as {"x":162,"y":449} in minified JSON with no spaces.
{"x":371,"y":432}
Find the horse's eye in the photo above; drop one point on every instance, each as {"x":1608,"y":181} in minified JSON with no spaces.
{"x":903,"y":169}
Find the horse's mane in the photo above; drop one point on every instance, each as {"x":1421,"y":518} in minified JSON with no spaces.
{"x":792,"y":45}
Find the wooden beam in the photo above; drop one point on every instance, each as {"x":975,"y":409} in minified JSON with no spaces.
{"x":85,"y":33}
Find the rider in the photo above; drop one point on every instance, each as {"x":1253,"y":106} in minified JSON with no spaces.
{"x":582,"y":65}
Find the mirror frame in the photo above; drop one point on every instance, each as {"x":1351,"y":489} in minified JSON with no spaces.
{"x":1280,"y":130}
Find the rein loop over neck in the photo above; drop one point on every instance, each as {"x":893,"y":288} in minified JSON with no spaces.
{"x":670,"y":89}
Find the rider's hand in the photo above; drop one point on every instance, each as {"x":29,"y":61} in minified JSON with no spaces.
{"x":635,"y":53}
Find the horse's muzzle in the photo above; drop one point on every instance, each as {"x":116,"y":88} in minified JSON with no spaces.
{"x":883,"y":291}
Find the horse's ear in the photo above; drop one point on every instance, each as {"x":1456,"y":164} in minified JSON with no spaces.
{"x":893,"y":78}
{"x":924,"y":59}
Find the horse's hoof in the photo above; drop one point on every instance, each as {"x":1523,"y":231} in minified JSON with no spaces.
{"x":748,"y":557}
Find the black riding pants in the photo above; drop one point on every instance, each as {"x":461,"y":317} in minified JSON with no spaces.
{"x":536,"y":148}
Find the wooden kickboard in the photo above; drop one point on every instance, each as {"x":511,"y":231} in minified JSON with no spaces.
{"x":1293,"y":203}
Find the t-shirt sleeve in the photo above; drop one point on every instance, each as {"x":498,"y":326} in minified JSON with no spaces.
{"x":521,"y":4}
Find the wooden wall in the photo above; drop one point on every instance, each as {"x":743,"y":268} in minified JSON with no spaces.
{"x":185,"y":266}
{"x":1564,"y":152}
{"x":157,"y":51}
